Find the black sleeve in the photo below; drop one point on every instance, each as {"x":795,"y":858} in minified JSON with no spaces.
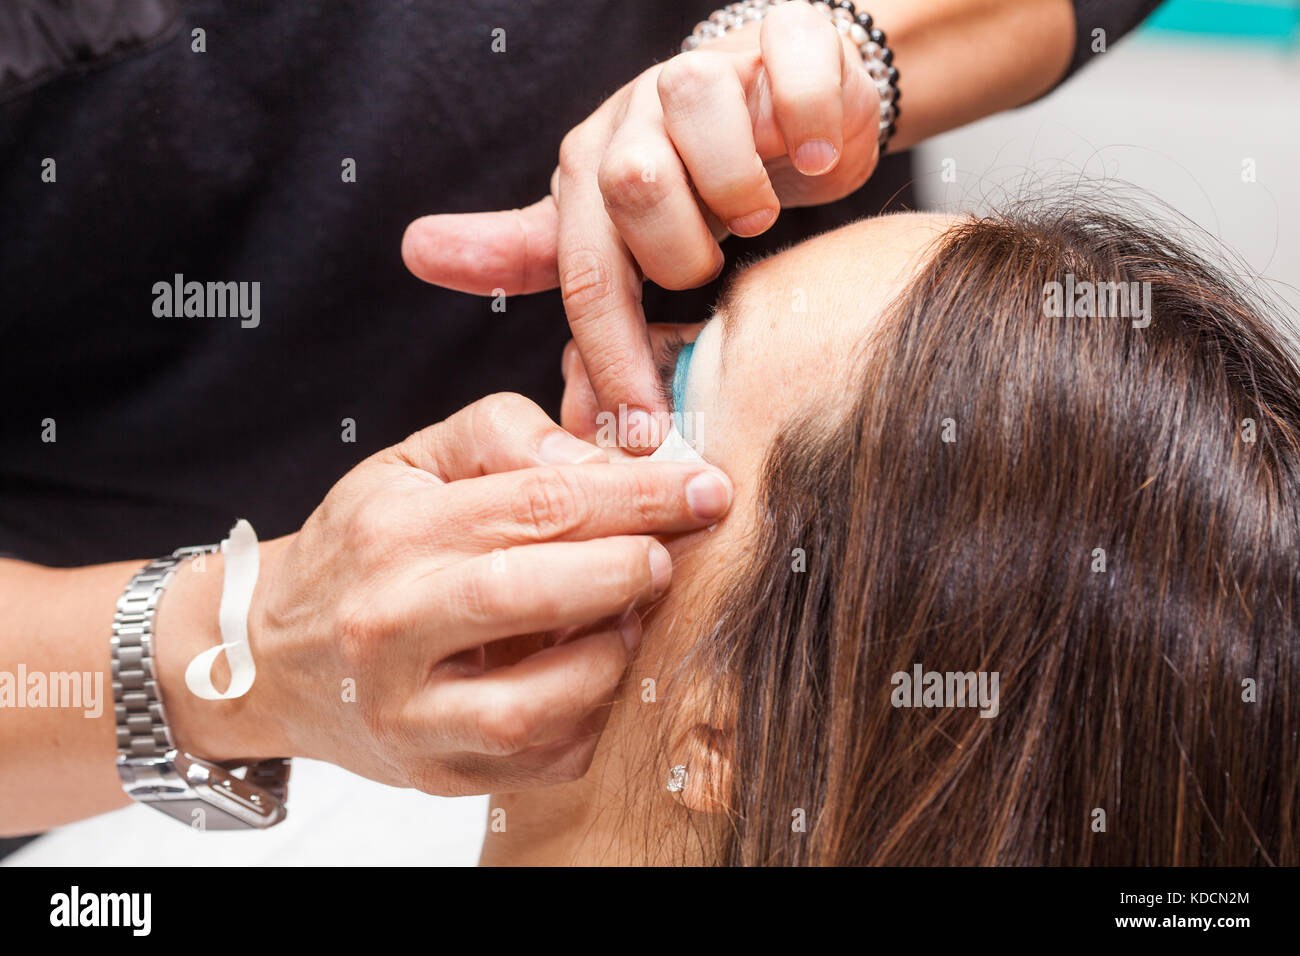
{"x":1115,"y":17}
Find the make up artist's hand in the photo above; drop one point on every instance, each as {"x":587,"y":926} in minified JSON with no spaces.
{"x":710,"y":142}
{"x":456,"y":614}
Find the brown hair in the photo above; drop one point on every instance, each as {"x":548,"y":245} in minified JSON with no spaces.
{"x":1124,"y":672}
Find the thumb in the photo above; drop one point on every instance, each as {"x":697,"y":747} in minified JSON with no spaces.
{"x":480,"y":252}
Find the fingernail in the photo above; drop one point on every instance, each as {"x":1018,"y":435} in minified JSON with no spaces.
{"x":630,"y":628}
{"x":561,"y":448}
{"x":752,"y":224}
{"x":661,"y":567}
{"x":814,"y":157}
{"x":641,"y":428}
{"x":708,"y":494}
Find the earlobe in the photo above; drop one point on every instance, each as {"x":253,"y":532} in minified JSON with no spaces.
{"x":700,"y":777}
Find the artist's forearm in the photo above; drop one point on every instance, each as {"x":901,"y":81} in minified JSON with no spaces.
{"x":56,"y":755}
{"x":960,"y":60}
{"x":57,"y":729}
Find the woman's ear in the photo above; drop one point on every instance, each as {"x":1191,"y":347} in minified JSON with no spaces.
{"x":700,"y":777}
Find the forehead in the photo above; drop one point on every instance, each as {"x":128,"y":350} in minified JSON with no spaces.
{"x":879,"y":249}
{"x":792,"y":328}
{"x":833,"y":287}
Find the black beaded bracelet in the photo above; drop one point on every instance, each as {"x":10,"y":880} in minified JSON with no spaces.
{"x":858,"y":27}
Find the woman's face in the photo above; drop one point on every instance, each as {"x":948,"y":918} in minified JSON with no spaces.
{"x":786,"y":331}
{"x":781,"y":343}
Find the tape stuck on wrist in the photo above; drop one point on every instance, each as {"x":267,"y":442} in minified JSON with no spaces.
{"x":241,"y":569}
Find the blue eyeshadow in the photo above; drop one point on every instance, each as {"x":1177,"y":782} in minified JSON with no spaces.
{"x":680,"y":372}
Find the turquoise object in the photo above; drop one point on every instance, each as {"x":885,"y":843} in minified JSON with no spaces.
{"x":680,"y":372}
{"x":1261,"y":21}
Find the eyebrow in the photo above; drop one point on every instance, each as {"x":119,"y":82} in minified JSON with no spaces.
{"x":726,"y":311}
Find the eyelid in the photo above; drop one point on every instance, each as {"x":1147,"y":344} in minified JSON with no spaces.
{"x":666,"y":367}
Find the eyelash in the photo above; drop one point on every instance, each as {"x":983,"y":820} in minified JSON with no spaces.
{"x":666,"y":365}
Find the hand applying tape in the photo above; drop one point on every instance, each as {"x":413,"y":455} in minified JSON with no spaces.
{"x":241,"y":568}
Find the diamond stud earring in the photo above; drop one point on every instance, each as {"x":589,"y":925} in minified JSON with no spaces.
{"x":677,"y":778}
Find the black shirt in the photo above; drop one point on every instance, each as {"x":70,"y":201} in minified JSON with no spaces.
{"x":226,"y":166}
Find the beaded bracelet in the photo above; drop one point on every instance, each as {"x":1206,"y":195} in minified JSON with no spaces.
{"x":858,"y":27}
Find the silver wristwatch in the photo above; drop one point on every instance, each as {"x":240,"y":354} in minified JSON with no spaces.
{"x":200,"y":793}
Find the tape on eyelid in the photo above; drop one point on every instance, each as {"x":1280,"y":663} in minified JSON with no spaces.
{"x":680,"y":373}
{"x":674,"y":446}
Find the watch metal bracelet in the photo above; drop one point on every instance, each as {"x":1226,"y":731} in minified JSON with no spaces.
{"x":201,"y":793}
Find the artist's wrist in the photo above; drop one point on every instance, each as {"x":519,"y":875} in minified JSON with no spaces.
{"x":963,"y":60}
{"x":187,"y":624}
{"x":863,"y":42}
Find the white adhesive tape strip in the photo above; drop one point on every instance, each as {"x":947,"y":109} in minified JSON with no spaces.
{"x":242,"y":565}
{"x":675,"y":448}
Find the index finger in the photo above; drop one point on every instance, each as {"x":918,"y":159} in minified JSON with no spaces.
{"x":501,"y":432}
{"x":580,"y":502}
{"x":601,"y":288}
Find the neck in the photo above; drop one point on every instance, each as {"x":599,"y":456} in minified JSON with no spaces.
{"x":555,"y":826}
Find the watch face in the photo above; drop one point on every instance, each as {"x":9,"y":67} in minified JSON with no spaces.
{"x":227,"y":796}
{"x":202,"y":795}
{"x":199,"y":814}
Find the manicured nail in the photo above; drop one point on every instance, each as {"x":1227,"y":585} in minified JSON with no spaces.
{"x":752,"y":224}
{"x":708,"y":494}
{"x":661,"y":567}
{"x":630,"y":628}
{"x":561,"y":448}
{"x":815,"y":157}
